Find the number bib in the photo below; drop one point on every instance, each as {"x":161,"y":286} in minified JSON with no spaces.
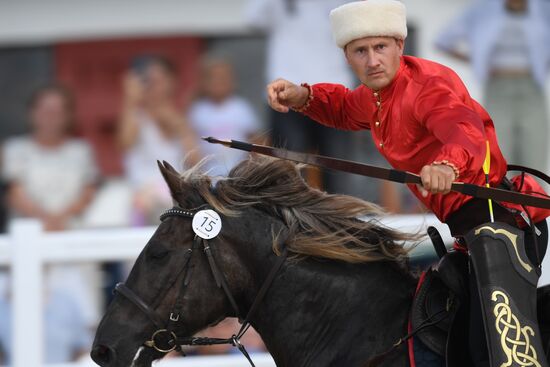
{"x":207,"y":224}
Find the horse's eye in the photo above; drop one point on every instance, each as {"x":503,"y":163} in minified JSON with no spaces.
{"x":157,"y":252}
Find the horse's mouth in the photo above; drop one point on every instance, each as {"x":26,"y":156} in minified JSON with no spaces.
{"x":144,"y":357}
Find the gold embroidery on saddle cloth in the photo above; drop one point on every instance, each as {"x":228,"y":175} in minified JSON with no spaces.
{"x":513,"y":239}
{"x":514,"y":339}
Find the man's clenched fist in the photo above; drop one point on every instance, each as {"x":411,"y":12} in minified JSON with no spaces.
{"x":283,"y":95}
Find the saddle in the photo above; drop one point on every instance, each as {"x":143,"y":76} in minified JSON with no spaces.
{"x":440,"y":310}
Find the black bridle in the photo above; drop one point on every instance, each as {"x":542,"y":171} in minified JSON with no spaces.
{"x":165,"y":339}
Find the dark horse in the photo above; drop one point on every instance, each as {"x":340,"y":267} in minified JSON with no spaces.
{"x":342,"y":296}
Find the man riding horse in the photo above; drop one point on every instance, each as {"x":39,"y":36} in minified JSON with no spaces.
{"x":423,"y":120}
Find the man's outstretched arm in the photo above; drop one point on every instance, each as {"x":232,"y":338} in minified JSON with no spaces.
{"x":332,"y":105}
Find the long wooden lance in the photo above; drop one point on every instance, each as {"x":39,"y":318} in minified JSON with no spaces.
{"x":383,"y":173}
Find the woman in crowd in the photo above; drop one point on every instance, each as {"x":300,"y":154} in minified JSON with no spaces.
{"x":152,"y":128}
{"x":51,"y":175}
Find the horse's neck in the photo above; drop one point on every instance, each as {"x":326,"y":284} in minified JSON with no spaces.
{"x":324,"y":313}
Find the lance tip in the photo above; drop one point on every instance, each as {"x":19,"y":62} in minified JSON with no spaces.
{"x":213,"y":140}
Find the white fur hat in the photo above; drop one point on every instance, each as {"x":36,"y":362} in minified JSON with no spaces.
{"x":368,"y":18}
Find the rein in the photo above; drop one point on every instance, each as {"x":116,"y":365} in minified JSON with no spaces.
{"x":165,"y":339}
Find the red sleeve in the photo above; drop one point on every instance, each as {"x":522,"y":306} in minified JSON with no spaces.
{"x":334,"y":105}
{"x":456,"y":125}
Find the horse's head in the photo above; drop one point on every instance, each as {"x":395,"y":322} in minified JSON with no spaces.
{"x":171,"y":285}
{"x":175,"y":282}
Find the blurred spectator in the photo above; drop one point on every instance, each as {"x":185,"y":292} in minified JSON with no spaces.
{"x":66,"y":335}
{"x":152,"y":128}
{"x":219,"y":112}
{"x":51,"y":175}
{"x":3,"y":206}
{"x":508,"y":44}
{"x":300,"y":49}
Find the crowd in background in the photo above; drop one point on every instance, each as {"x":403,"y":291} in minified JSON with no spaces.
{"x":51,"y":174}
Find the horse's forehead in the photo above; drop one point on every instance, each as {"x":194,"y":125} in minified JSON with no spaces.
{"x":171,"y":226}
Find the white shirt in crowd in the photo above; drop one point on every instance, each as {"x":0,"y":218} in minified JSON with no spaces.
{"x":300,"y":28}
{"x":234,"y":119}
{"x":52,"y":177}
{"x":151,"y":145}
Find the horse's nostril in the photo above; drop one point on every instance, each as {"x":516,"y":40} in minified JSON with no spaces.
{"x":102,"y":355}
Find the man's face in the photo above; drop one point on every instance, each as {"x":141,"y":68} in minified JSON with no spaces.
{"x":375,"y":60}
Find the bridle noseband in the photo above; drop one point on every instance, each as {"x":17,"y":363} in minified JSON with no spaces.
{"x":164,"y":339}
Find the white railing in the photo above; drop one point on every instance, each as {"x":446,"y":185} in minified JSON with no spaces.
{"x":27,"y":248}
{"x":260,"y":360}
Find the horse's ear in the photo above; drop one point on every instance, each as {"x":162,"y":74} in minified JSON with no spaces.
{"x":182,"y":192}
{"x":169,"y":167}
{"x":171,"y":176}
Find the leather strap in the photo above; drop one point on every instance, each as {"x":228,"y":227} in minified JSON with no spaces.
{"x":174,"y":342}
{"x":235,"y":339}
{"x":543,"y":176}
{"x":221,"y":282}
{"x":132,"y":297}
{"x":263,"y":291}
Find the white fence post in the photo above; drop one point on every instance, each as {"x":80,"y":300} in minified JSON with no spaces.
{"x":27,"y":328}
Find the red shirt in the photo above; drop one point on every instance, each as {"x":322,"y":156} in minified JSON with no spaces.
{"x":425,"y":115}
